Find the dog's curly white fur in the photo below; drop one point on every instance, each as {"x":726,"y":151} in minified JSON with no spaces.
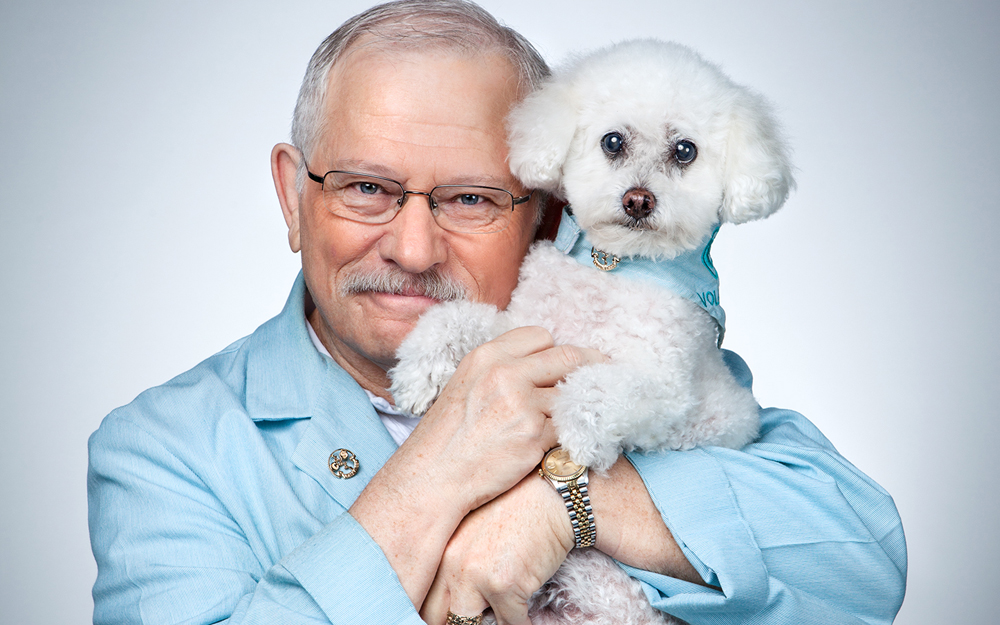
{"x":688,"y":149}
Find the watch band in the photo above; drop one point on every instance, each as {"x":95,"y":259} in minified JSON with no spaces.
{"x":571,"y":481}
{"x":577,"y":500}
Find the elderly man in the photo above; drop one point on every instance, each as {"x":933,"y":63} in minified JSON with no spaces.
{"x":266,"y":485}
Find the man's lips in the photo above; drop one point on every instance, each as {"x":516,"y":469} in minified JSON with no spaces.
{"x":396,"y":306}
{"x":400,"y":297}
{"x":412,"y":292}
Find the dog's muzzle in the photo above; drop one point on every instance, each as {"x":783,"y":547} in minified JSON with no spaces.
{"x":638,"y":203}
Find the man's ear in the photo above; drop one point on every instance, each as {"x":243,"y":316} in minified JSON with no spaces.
{"x":284,"y":169}
{"x":540,"y":130}
{"x":758,"y":172}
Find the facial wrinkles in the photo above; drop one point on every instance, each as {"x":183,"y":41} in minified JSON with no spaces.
{"x":426,"y":134}
{"x":410,"y":149}
{"x":437,"y":124}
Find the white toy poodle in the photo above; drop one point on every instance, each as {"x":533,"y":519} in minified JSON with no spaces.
{"x":653,"y":148}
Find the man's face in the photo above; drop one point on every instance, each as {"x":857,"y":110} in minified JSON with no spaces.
{"x":422,"y":119}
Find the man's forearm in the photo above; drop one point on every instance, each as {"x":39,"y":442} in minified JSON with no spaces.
{"x":630,"y":529}
{"x":410,"y":528}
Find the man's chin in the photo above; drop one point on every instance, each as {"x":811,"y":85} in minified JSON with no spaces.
{"x":387,"y":320}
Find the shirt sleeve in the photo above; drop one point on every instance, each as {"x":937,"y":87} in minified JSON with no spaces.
{"x":786,"y":530}
{"x":169,"y":552}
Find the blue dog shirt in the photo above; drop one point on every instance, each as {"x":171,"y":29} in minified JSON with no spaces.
{"x":690,"y":275}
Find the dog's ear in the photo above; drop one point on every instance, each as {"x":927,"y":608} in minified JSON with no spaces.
{"x":758,"y":172}
{"x":539,"y":132}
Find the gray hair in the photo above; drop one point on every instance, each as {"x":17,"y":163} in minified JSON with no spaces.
{"x":446,"y":24}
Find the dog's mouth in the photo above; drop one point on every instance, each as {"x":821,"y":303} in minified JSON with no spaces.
{"x":636,"y":224}
{"x":640,"y":225}
{"x":638,"y":205}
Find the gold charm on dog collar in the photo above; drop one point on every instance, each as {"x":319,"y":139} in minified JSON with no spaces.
{"x":344,"y":464}
{"x":603,"y":260}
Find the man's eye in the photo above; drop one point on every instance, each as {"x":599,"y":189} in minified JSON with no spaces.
{"x":368,"y":188}
{"x":469,"y":199}
{"x":612,"y":143}
{"x":685,"y":151}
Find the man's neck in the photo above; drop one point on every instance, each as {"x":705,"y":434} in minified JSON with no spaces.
{"x":369,"y":375}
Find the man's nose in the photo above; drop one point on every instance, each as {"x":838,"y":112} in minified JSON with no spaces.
{"x":414,"y":241}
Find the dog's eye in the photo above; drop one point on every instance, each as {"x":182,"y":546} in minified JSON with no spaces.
{"x":612,"y":143}
{"x":685,"y":151}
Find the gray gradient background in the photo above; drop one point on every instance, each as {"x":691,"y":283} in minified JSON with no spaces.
{"x":139,"y":233}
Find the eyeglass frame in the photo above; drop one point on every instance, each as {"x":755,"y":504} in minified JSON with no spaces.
{"x":514,"y":201}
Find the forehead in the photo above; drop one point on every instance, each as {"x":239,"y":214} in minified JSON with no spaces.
{"x":405,"y":109}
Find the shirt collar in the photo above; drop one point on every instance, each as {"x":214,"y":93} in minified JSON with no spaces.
{"x":285,"y":372}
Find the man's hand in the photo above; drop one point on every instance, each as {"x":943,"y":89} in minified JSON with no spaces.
{"x":489,"y":429}
{"x":501,"y":554}
{"x":490,"y":425}
{"x":506,"y":550}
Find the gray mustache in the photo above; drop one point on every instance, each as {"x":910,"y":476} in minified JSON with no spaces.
{"x":430,"y":284}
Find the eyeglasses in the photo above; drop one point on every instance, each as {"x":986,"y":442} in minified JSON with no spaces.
{"x":457,"y":208}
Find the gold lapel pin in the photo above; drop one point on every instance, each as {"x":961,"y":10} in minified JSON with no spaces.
{"x":344,"y":464}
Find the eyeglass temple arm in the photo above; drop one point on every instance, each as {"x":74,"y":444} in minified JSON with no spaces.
{"x":521,"y":200}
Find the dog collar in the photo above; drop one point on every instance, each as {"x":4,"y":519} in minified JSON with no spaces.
{"x":690,"y":275}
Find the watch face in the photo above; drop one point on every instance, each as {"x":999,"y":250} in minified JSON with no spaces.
{"x":558,"y":465}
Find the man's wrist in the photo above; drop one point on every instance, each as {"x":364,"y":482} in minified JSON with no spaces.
{"x":553,"y":510}
{"x":601,"y":489}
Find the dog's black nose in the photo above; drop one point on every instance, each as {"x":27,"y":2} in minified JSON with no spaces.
{"x":638,"y":203}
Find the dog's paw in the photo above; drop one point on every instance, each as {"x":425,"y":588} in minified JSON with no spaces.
{"x":586,"y":414}
{"x":591,"y":588}
{"x":428,"y":357}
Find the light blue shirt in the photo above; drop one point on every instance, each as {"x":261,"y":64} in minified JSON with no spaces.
{"x":211,"y":499}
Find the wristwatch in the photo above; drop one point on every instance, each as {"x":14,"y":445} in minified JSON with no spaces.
{"x":570,"y":480}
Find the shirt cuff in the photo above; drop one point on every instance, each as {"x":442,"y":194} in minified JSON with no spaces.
{"x":347,"y":575}
{"x":698,"y":505}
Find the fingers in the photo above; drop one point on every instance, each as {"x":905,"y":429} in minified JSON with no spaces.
{"x":548,"y":367}
{"x":435,"y":606}
{"x":509,"y":609}
{"x":549,"y":437}
{"x":469,"y":603}
{"x":544,"y":363}
{"x":524,"y":341}
{"x":441,"y":599}
{"x":449,"y":594}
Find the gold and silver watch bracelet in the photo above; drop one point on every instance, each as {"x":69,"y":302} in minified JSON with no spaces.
{"x":581,"y":515}
{"x":571,"y":481}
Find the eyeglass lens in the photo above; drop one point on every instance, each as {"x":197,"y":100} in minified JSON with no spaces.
{"x":371,"y":199}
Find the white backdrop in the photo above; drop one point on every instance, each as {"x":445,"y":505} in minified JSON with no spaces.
{"x":139,"y":233}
